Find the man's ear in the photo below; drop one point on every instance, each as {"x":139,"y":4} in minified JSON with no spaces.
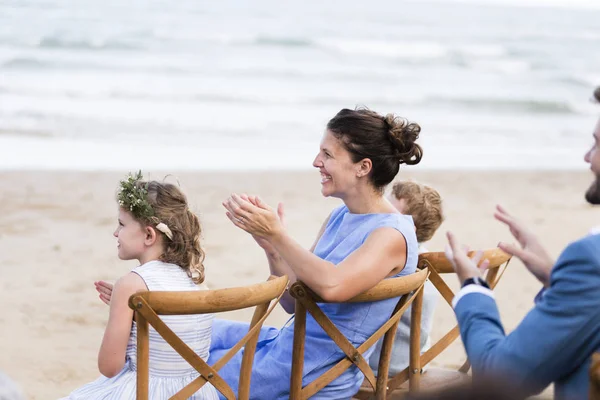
{"x":364,"y":167}
{"x":150,"y":236}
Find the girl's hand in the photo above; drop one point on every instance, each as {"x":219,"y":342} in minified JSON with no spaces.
{"x":105,"y":290}
{"x":258,"y":219}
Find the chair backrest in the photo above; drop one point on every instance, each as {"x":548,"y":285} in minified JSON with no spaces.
{"x":437,"y":264}
{"x":408,"y":288}
{"x":149,"y":305}
{"x":595,"y":377}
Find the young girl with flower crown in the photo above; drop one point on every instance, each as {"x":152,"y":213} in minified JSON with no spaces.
{"x":157,"y":228}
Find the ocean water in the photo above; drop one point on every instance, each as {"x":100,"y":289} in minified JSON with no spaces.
{"x":250,"y":85}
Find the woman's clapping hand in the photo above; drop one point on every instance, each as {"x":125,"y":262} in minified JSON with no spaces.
{"x":254,"y":216}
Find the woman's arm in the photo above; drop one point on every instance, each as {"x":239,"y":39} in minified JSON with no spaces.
{"x":111,"y":357}
{"x":383,"y":251}
{"x":278,"y":266}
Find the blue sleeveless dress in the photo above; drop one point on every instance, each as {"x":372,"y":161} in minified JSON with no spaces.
{"x":344,"y":233}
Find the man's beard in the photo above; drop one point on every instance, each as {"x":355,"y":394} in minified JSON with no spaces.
{"x":593,"y":193}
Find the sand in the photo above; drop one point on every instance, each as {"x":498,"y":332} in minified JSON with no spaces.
{"x":56,"y":239}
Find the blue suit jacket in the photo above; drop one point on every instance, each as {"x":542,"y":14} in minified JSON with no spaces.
{"x":557,"y":337}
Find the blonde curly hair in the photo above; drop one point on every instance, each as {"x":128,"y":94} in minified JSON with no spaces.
{"x":424,"y":204}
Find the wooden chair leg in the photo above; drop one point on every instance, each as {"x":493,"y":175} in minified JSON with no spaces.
{"x":465,"y":367}
{"x":298,"y":352}
{"x":249,"y":350}
{"x":143,"y":357}
{"x":415,"y":343}
{"x":491,"y":277}
{"x":386,"y":355}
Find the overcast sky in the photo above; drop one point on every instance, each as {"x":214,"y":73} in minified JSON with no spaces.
{"x":554,"y":3}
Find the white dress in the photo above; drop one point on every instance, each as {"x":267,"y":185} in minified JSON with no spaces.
{"x":169,"y":372}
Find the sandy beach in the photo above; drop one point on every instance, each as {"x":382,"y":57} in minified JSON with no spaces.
{"x":56,"y":240}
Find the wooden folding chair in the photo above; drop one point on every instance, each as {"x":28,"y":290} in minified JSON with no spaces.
{"x":439,"y":378}
{"x":595,"y":377}
{"x":410,"y":288}
{"x":149,"y":305}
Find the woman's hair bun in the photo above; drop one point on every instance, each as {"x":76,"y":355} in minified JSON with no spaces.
{"x":404,"y":134}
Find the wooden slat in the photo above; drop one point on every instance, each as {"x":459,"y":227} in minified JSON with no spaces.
{"x":440,"y":346}
{"x":185,"y":352}
{"x":342,"y":365}
{"x":253,"y":332}
{"x":392,"y":287}
{"x":441,"y":286}
{"x":213,"y":301}
{"x":343,"y":343}
{"x":306,"y":302}
{"x":386,"y":289}
{"x":386,"y":350}
{"x":398,"y":379}
{"x":166,"y":302}
{"x":248,"y":358}
{"x":465,"y":367}
{"x":439,"y":262}
{"x":345,"y":363}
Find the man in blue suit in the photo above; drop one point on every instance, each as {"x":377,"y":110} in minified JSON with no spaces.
{"x":556,"y":339}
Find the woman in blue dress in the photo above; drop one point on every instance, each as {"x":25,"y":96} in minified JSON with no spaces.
{"x":362,"y":242}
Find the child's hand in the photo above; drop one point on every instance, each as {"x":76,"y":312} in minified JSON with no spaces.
{"x":105,"y":289}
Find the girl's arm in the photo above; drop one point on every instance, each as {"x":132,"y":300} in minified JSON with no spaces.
{"x":111,"y":357}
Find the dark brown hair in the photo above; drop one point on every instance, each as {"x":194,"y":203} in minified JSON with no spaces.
{"x":387,"y":141}
{"x":597,"y":94}
{"x":424,"y":204}
{"x":171,"y":208}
